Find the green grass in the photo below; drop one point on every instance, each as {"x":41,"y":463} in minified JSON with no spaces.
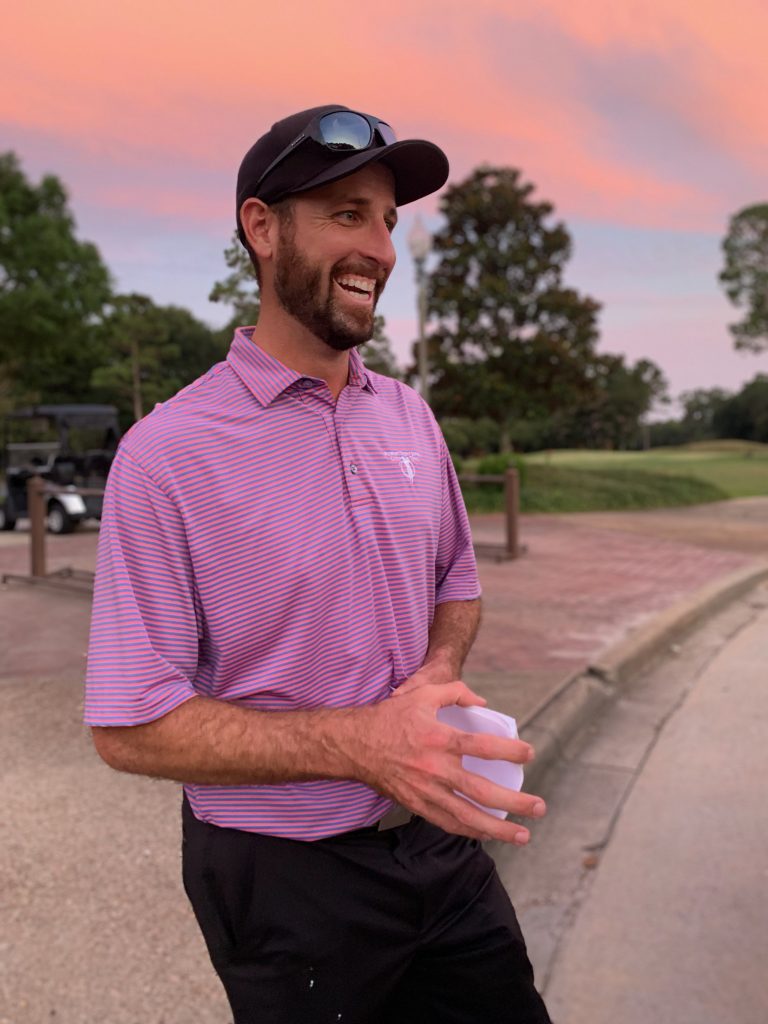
{"x":565,"y":489}
{"x":583,"y":481}
{"x":738,"y":468}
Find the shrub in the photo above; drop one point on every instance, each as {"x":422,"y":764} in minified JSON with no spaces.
{"x":466,"y":436}
{"x":500,"y":462}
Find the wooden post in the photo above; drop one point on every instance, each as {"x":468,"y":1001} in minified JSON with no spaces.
{"x":512,"y":505}
{"x":36,"y":509}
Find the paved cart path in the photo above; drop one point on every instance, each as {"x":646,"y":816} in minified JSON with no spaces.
{"x":93,"y":862}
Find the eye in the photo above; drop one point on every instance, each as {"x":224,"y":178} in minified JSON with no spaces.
{"x":350,"y":216}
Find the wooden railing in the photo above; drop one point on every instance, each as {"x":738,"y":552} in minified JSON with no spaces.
{"x":72,"y":579}
{"x":511,"y":481}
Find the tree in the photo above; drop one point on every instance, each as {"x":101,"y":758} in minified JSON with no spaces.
{"x":624,"y":395}
{"x":745,"y":275}
{"x":7,"y":397}
{"x":149,"y":353}
{"x":53,"y":290}
{"x":238,"y":289}
{"x":377,"y":353}
{"x":745,"y":415}
{"x":510,"y":341}
{"x":701,"y":408}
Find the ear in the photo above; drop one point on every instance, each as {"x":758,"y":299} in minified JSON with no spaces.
{"x":257,"y":220}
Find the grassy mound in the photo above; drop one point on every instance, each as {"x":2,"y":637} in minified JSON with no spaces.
{"x":568,"y":489}
{"x":737,"y":468}
{"x":726,"y":445}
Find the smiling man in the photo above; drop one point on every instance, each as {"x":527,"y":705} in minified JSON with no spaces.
{"x":285,"y":595}
{"x":328,"y":256}
{"x":343,"y":316}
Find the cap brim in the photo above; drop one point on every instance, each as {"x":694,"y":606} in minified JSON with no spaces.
{"x":419,"y":168}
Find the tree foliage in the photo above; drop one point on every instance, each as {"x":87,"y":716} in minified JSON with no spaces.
{"x":53,"y":290}
{"x":745,"y":415}
{"x":510,"y":340}
{"x":377,"y":353}
{"x":239,"y":288}
{"x":701,"y":409}
{"x":745,"y":275}
{"x":149,"y":352}
{"x":624,"y":393}
{"x":712,"y":413}
{"x":612,"y":416}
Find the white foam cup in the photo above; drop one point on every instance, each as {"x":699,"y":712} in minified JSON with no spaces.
{"x":477,"y":719}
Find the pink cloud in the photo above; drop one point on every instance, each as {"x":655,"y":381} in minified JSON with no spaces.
{"x":719,"y":47}
{"x":172,"y":203}
{"x":158,"y":85}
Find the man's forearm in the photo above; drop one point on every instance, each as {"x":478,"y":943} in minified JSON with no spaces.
{"x":213,"y":742}
{"x":395,"y":746}
{"x":453,"y":631}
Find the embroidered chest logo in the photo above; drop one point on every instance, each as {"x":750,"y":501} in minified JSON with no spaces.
{"x":406,"y":461}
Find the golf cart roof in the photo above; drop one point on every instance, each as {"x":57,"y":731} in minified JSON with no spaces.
{"x":72,"y":411}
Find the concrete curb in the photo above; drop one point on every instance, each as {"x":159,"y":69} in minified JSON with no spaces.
{"x":552,"y":724}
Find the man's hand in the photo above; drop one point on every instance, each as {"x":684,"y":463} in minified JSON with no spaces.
{"x":404,"y":752}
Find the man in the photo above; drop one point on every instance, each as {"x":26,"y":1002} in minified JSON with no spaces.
{"x":285,"y":595}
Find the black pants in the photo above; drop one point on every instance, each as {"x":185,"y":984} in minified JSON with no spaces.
{"x":398,"y":927}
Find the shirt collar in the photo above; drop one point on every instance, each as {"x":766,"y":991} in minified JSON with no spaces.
{"x":266,"y":377}
{"x":359,"y":377}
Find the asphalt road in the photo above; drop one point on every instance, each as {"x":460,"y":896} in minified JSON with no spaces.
{"x":644,"y":895}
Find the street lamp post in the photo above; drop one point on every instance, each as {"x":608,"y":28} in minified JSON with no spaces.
{"x":420,"y":243}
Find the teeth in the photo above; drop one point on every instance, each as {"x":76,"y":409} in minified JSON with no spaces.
{"x":363,"y":284}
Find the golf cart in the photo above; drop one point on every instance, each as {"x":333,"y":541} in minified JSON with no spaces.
{"x":71,"y":447}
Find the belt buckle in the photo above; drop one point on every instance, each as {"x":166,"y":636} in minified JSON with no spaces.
{"x":393,"y":818}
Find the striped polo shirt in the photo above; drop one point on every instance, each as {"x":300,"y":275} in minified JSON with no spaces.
{"x":266,"y":545}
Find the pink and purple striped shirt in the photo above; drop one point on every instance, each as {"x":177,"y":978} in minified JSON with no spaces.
{"x":265,"y":545}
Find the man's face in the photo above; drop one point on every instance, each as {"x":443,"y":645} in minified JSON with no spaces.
{"x":334,"y":256}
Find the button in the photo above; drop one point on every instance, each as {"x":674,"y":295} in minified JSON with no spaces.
{"x":352,"y":467}
{"x":306,"y":383}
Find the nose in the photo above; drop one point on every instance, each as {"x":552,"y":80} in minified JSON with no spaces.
{"x":378,"y":246}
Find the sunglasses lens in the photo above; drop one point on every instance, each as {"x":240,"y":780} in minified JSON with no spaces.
{"x":387,"y":134}
{"x":345,"y":130}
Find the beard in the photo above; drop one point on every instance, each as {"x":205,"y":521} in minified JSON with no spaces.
{"x":298,"y":287}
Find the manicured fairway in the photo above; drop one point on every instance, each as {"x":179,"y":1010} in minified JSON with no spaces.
{"x":582,"y":481}
{"x":739,"y":468}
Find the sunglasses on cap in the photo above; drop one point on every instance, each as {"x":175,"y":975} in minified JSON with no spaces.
{"x":342,"y":131}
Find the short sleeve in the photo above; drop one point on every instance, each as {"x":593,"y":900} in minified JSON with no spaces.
{"x":144,"y":639}
{"x":456,"y":569}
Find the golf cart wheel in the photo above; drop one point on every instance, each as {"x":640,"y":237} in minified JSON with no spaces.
{"x":7,"y":521}
{"x":59,"y":520}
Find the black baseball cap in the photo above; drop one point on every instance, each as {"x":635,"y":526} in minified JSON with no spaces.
{"x":419,"y":167}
